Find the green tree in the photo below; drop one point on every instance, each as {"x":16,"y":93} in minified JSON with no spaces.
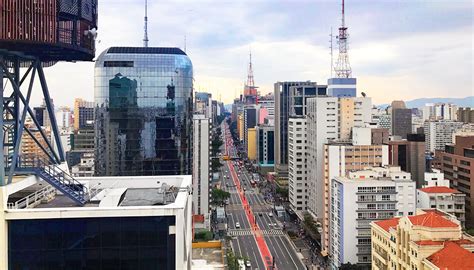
{"x":219,"y":196}
{"x":215,"y":164}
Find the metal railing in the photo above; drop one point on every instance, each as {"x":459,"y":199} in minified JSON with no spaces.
{"x":32,"y":199}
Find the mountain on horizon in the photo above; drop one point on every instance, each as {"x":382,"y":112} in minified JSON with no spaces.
{"x":420,"y":102}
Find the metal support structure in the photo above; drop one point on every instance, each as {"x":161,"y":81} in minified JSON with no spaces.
{"x":16,"y":109}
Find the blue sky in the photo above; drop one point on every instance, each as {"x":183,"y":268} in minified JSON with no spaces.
{"x":398,"y":49}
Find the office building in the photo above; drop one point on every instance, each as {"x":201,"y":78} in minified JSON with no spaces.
{"x":329,"y":119}
{"x":385,"y":121}
{"x":267,"y":109}
{"x":297,"y":170}
{"x":240,"y":127}
{"x":252,"y":144}
{"x":401,"y":119}
{"x":342,"y":87}
{"x":439,"y":133}
{"x":83,"y":114}
{"x":143,"y":117}
{"x":64,"y":118}
{"x":282,"y":112}
{"x":201,"y":162}
{"x":250,"y":121}
{"x":379,"y":135}
{"x":39,"y":113}
{"x":457,"y":164}
{"x":364,"y":196}
{"x":465,"y":115}
{"x":442,"y":198}
{"x":265,"y":150}
{"x":131,"y":222}
{"x":440,"y":111}
{"x":430,"y":240}
{"x":410,"y":155}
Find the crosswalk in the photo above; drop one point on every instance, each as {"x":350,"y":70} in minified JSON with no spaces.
{"x":242,"y":232}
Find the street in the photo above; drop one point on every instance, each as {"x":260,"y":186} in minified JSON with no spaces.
{"x":245,"y":238}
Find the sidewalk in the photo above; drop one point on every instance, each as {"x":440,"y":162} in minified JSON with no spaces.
{"x":310,"y":259}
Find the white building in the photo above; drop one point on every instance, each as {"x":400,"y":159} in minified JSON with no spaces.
{"x":201,"y":162}
{"x":142,"y":221}
{"x":439,"y":133}
{"x":357,"y":200}
{"x":440,"y":111}
{"x":297,"y":177}
{"x":329,"y":119}
{"x":64,"y":118}
{"x":85,"y":168}
{"x":445,"y":199}
{"x":435,"y":178}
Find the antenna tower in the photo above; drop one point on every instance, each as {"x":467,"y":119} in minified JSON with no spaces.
{"x":250,"y":81}
{"x":145,"y":38}
{"x":331,"y":47}
{"x":343,"y":68}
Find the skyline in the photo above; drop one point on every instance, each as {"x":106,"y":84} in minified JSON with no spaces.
{"x":393,"y":62}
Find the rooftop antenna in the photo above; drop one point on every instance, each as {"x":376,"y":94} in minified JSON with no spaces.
{"x":145,"y":38}
{"x":184,"y":43}
{"x":250,"y":81}
{"x":343,"y":68}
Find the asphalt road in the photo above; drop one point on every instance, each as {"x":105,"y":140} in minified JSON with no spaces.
{"x":243,"y":242}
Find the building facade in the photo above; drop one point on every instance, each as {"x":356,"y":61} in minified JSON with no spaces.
{"x":282,"y":112}
{"x":356,"y":201}
{"x":265,"y":150}
{"x":143,"y":115}
{"x":83,"y":114}
{"x":465,"y":115}
{"x":297,"y":170}
{"x":401,"y":122}
{"x":410,"y":155}
{"x":201,"y":162}
{"x":457,"y":164}
{"x":439,"y":133}
{"x":430,"y":240}
{"x":442,"y":198}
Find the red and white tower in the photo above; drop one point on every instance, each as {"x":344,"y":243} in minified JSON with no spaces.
{"x":343,"y":68}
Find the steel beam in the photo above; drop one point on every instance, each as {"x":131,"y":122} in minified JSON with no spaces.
{"x":2,"y":133}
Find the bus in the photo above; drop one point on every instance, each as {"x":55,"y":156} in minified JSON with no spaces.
{"x":226,"y":157}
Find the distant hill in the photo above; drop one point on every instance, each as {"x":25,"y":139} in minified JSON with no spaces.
{"x":420,"y":102}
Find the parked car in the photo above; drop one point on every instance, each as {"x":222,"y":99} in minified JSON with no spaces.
{"x":237,"y":225}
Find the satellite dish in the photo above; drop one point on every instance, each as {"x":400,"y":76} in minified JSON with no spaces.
{"x":91,"y":33}
{"x":363,"y":94}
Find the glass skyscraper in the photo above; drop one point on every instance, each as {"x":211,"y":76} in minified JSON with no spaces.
{"x":143,"y":111}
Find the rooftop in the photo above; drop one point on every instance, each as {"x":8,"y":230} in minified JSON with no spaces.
{"x":146,"y":50}
{"x":432,"y":220}
{"x":439,"y":189}
{"x":452,"y":256}
{"x":388,"y":223}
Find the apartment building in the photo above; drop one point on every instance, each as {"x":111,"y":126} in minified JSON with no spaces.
{"x":364,"y":196}
{"x":457,"y":164}
{"x":445,"y":199}
{"x":439,"y":133}
{"x":297,"y":170}
{"x":430,"y":240}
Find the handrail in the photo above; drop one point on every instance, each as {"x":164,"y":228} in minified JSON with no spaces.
{"x":25,"y":202}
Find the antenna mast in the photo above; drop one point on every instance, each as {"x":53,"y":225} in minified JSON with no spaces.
{"x":145,"y":38}
{"x":331,"y":47}
{"x":250,"y":81}
{"x":343,"y":68}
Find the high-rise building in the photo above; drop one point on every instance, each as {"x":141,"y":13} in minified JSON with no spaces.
{"x":430,"y":240}
{"x":64,"y":118}
{"x":143,"y":117}
{"x":282,"y":112}
{"x":439,"y":133}
{"x":342,"y":87}
{"x":252,"y":143}
{"x":440,"y":111}
{"x":410,"y":155}
{"x":401,"y":119}
{"x":297,"y":170}
{"x":201,"y":160}
{"x":39,"y":114}
{"x":83,"y":114}
{"x":465,"y":115}
{"x":329,"y":119}
{"x":357,"y":200}
{"x":31,"y":150}
{"x":456,"y":161}
{"x":265,"y":150}
{"x":250,"y":121}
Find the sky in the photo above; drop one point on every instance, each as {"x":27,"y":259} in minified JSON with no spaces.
{"x":398,"y":49}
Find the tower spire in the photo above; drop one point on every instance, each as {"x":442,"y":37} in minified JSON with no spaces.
{"x":145,"y":38}
{"x":250,"y":81}
{"x":343,"y":68}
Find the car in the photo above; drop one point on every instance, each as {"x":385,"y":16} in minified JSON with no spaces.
{"x":260,"y":214}
{"x":270,"y":214}
{"x":237,"y":225}
{"x":247,"y":263}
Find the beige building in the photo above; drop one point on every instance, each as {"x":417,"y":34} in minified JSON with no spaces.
{"x":83,"y":113}
{"x":252,"y":144}
{"x":30,"y":149}
{"x":430,"y":240}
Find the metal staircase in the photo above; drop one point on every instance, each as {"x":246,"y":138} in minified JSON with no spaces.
{"x":56,"y":177}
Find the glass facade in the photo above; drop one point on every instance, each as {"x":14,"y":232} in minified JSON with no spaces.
{"x":143,"y":113}
{"x":117,"y":243}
